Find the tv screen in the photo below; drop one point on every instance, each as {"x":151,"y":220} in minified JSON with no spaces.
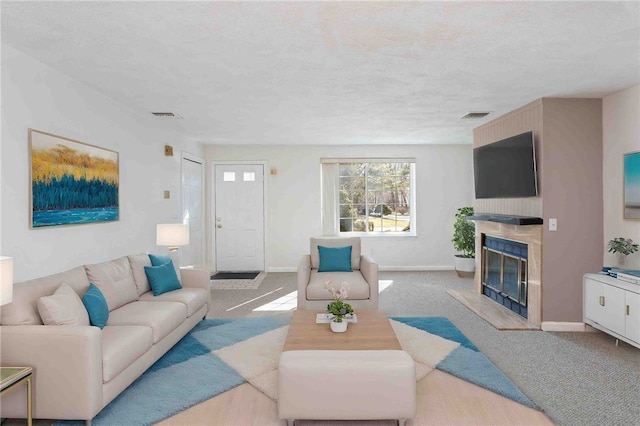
{"x":506,"y":169}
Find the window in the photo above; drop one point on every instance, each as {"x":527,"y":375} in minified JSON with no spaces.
{"x":373,"y":197}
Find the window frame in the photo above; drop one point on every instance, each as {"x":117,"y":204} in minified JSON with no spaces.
{"x":335,"y":193}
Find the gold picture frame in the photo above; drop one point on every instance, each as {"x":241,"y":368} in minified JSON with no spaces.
{"x":72,"y":182}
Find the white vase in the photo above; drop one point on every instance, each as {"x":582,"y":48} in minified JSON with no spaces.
{"x":339,"y":327}
{"x":621,"y":259}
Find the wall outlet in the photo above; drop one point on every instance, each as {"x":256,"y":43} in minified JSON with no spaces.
{"x":553,"y":224}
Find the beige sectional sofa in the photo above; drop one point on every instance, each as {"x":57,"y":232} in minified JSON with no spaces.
{"x":79,"y":369}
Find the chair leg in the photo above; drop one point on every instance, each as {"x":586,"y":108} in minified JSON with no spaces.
{"x":402,"y":422}
{"x":290,"y":422}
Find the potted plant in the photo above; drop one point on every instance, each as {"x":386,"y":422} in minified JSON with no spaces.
{"x":338,"y":308}
{"x":464,"y":240}
{"x":623,"y":247}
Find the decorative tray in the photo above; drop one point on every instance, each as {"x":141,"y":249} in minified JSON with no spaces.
{"x":326,"y":318}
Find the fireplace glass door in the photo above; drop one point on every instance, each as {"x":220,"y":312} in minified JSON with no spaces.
{"x":504,"y":279}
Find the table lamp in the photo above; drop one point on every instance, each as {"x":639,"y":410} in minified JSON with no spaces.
{"x":172,"y":235}
{"x":6,"y":280}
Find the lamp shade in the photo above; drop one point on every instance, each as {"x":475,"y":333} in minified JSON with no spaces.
{"x":6,"y":280}
{"x":172,"y":234}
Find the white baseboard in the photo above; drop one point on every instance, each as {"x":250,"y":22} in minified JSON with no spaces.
{"x":416,"y":268}
{"x":562,"y":326}
{"x":380,"y":268}
{"x":282,"y":269}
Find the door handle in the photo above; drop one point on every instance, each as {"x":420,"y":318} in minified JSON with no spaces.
{"x":601,"y":300}
{"x":218,"y":218}
{"x":219,"y":225}
{"x":628,"y":310}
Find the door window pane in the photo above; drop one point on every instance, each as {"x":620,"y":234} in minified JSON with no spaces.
{"x":229,"y":176}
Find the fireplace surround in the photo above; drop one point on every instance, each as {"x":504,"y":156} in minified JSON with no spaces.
{"x":529,"y":234}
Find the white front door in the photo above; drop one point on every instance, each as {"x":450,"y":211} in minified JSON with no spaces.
{"x":239,"y":217}
{"x":193,"y":209}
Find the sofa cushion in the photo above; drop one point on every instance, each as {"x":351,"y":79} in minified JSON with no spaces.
{"x":162,"y":317}
{"x":162,"y":278}
{"x":115,"y":281}
{"x":96,"y":305}
{"x":354,"y":242}
{"x":23,"y":310}
{"x":160,"y":259}
{"x":192,"y":298}
{"x":121,"y":346}
{"x":358,"y":287}
{"x":63,"y":307}
{"x":138,"y":262}
{"x":334,"y":259}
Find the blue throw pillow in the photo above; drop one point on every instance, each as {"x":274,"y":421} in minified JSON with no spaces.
{"x":335,"y":259}
{"x":157,"y":260}
{"x":162,"y":278}
{"x":96,"y":306}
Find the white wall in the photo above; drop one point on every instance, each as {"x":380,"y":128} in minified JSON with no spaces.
{"x":444,"y":183}
{"x":36,"y":96}
{"x":621,"y":134}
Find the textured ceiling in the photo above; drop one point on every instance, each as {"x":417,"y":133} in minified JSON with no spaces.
{"x":332,"y":72}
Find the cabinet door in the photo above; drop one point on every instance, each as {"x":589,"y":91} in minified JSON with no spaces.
{"x":632,"y":311}
{"x":614,"y":316}
{"x":592,"y":297}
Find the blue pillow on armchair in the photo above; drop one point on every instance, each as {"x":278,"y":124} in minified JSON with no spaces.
{"x":334,"y":259}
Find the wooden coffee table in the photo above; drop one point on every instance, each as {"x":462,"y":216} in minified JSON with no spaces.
{"x":372,"y":332}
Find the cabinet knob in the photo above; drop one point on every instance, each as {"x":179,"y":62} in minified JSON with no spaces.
{"x":218,"y":226}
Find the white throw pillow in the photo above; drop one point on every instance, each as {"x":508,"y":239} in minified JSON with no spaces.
{"x":63,"y":307}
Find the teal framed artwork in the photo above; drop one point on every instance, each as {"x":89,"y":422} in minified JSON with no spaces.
{"x":631,"y":190}
{"x":72,"y":182}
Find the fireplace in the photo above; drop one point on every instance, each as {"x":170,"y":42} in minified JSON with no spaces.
{"x":526,"y":231}
{"x":504,"y":273}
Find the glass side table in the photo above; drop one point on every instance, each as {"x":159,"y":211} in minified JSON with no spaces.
{"x":12,"y":377}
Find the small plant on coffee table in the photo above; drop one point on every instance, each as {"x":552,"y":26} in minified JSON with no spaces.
{"x":338,"y":308}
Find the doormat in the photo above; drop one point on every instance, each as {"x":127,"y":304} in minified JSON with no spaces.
{"x":237,"y":283}
{"x":234,"y":275}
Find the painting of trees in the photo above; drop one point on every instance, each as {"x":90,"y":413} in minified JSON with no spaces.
{"x":71,"y":181}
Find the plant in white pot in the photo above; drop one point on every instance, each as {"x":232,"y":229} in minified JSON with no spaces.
{"x":623,"y":247}
{"x":464,"y":240}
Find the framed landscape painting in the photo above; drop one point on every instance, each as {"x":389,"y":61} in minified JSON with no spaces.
{"x":72,"y":182}
{"x":632,"y":185}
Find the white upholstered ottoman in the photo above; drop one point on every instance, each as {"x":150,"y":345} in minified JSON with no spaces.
{"x":346,"y":385}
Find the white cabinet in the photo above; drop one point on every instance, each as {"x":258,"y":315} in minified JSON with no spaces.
{"x":613,"y":306}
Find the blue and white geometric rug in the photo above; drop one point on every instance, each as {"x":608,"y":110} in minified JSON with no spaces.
{"x":220,"y":354}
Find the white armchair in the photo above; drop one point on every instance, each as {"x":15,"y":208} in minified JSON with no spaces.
{"x":363,"y":279}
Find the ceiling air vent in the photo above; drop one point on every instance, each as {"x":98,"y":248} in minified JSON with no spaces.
{"x":472,"y":115}
{"x":169,"y":115}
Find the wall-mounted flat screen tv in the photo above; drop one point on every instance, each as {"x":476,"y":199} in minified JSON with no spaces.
{"x":506,"y":168}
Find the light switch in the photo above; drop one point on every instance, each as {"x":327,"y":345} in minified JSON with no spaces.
{"x":553,"y":224}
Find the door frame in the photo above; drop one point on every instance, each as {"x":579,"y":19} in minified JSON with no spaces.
{"x":203,"y":201}
{"x":212,"y":193}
